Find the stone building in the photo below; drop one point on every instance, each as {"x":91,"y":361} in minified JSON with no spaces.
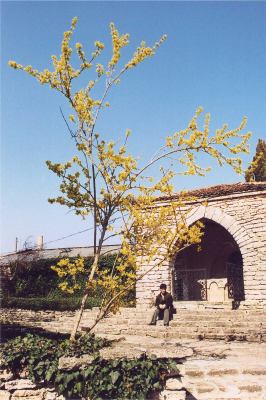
{"x":230,"y":269}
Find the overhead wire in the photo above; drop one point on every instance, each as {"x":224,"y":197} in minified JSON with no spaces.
{"x":65,"y":237}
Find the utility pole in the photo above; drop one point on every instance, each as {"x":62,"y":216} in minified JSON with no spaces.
{"x":16,"y":245}
{"x":39,"y":243}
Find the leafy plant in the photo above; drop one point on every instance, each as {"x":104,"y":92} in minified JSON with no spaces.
{"x":102,"y":379}
{"x":85,"y":344}
{"x":34,"y":286}
{"x":116,"y":379}
{"x":37,"y":354}
{"x":59,"y":304}
{"x":35,"y":278}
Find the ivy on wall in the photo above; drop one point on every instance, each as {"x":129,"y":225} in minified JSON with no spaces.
{"x":115,"y":379}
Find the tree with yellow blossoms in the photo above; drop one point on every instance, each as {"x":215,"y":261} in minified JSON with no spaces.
{"x":104,"y":180}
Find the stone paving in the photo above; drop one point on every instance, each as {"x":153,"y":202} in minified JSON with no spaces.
{"x":222,"y":353}
{"x":210,"y":370}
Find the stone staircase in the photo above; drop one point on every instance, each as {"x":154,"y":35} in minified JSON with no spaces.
{"x":222,"y":351}
{"x":229,"y":364}
{"x":199,"y":324}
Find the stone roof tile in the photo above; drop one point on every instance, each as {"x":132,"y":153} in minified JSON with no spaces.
{"x":222,"y":190}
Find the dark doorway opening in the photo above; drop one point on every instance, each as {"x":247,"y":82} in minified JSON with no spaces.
{"x":213,"y":272}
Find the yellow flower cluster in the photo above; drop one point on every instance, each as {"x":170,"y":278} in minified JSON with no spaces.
{"x":99,"y":70}
{"x":191,"y":140}
{"x":117,"y":168}
{"x":118,"y":42}
{"x":63,"y":73}
{"x":74,"y":22}
{"x":69,"y":270}
{"x":66,"y":267}
{"x":84,"y":104}
{"x":143,"y":52}
{"x":81,"y":54}
{"x":15,"y":65}
{"x":140,"y":55}
{"x":99,"y":45}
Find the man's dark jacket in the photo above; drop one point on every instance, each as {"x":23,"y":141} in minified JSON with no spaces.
{"x":168,"y":300}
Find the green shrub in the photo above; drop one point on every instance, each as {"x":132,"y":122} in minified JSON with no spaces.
{"x":121,"y":379}
{"x":10,"y":330}
{"x":40,"y":355}
{"x":33,"y":278}
{"x":34,"y":286}
{"x":36,"y":278}
{"x":38,"y":304}
{"x":102,"y":379}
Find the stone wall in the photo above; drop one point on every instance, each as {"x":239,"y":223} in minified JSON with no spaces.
{"x":54,"y":321}
{"x":201,"y":379}
{"x":243,"y":215}
{"x":23,"y":388}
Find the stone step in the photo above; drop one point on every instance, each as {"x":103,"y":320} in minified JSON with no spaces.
{"x":198,"y":317}
{"x":181,"y":336}
{"x":186,"y":324}
{"x":211,"y":314}
{"x":222,"y":320}
{"x":184,"y":319}
{"x":173,"y":332}
{"x":206,"y":316}
{"x":244,"y":324}
{"x":182,"y":322}
{"x":178,"y":325}
{"x":222,"y":314}
{"x":189,"y":310}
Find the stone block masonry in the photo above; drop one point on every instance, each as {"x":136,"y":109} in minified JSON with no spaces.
{"x":241,"y":210}
{"x":219,"y":324}
{"x":208,"y":371}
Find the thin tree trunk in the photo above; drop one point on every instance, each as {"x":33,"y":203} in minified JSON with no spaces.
{"x":94,"y":211}
{"x":78,"y":316}
{"x":94,"y":265}
{"x":84,"y":299}
{"x":86,"y":293}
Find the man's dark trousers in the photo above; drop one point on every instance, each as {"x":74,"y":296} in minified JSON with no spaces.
{"x":162,"y":314}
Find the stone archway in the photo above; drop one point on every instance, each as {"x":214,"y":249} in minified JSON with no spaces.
{"x":215,"y":273}
{"x":215,"y":214}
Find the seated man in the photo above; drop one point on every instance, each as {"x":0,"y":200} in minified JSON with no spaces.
{"x":164,"y":306}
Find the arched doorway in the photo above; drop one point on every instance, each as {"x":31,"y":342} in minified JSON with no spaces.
{"x":214,"y":272}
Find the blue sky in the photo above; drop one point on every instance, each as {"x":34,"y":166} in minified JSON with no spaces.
{"x":214,"y":57}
